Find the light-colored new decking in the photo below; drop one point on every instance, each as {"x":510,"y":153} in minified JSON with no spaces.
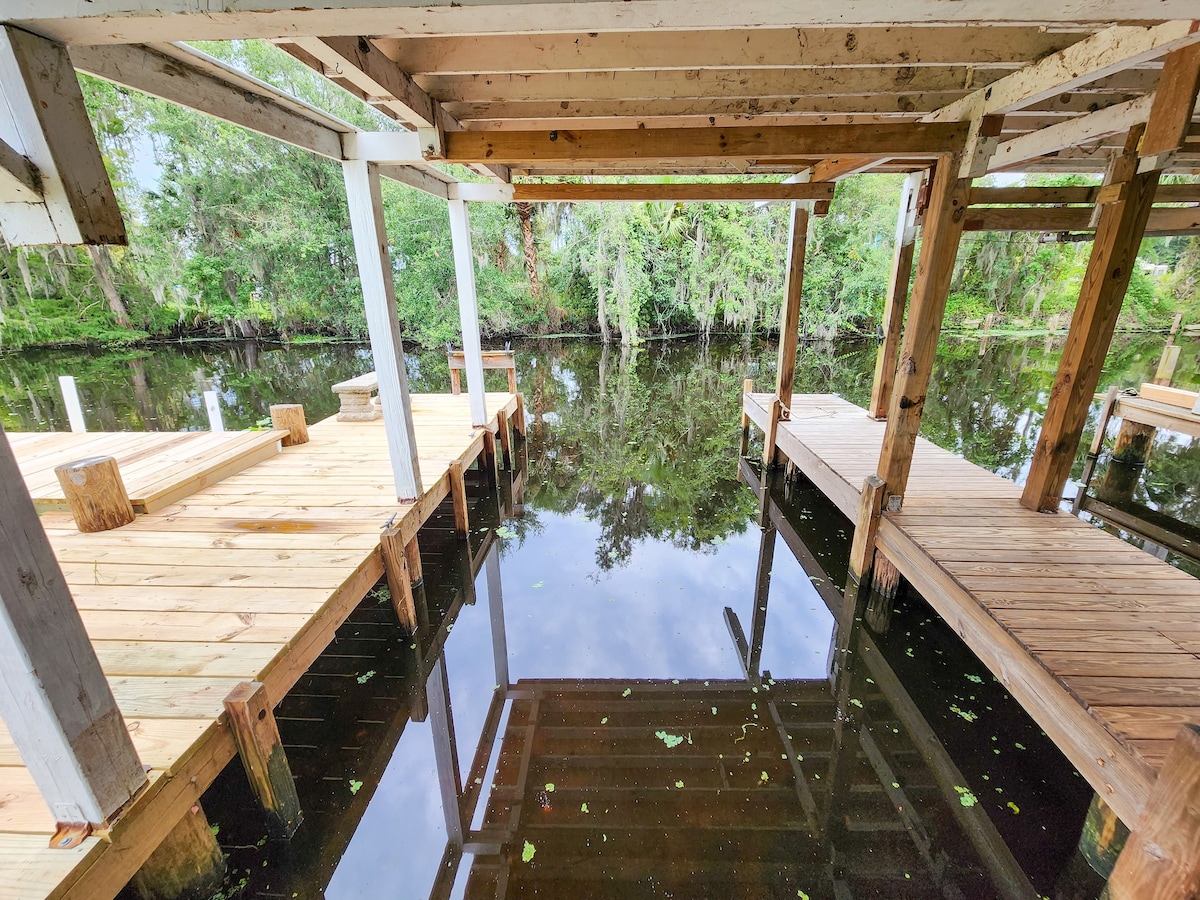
{"x":246,"y":579}
{"x":1096,"y":639}
{"x":158,"y":467}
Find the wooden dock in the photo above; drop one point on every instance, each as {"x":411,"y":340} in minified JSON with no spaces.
{"x":245,"y":579}
{"x":1097,"y":640}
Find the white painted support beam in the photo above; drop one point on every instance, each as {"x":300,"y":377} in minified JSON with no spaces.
{"x":134,"y":21}
{"x":19,"y":178}
{"x":383,"y":147}
{"x":70,"y":393}
{"x":383,"y":324}
{"x":44,"y":120}
{"x":54,"y":698}
{"x":212,"y":404}
{"x":430,"y":180}
{"x":1071,"y":133}
{"x":468,"y":308}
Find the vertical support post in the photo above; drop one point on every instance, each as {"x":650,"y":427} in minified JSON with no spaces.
{"x":252,"y":721}
{"x":487,"y":459}
{"x":789,"y":315}
{"x":399,"y":578}
{"x":762,"y":590}
{"x":866,"y":526}
{"x":445,"y":751}
{"x":289,"y":417}
{"x":519,"y":415}
{"x":505,"y":439}
{"x":1106,"y":410}
{"x":212,"y":404}
{"x":1114,"y":254}
{"x":747,"y":389}
{"x":468,"y":309}
{"x":70,"y":392}
{"x":918,"y":349}
{"x":1161,"y":859}
{"x":458,"y":491}
{"x":897,"y":296}
{"x":496,"y":612}
{"x":187,"y":863}
{"x":770,"y":434}
{"x":54,"y":697}
{"x":383,"y":324}
{"x":412,"y":553}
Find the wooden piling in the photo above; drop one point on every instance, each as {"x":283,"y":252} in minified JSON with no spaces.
{"x":518,"y":419}
{"x":505,"y":439}
{"x":870,"y":509}
{"x":458,"y":490}
{"x":769,"y":436}
{"x":252,"y":721}
{"x":187,"y":865}
{"x":1161,"y":860}
{"x":289,"y":417}
{"x":455,"y":381}
{"x":487,"y":459}
{"x":412,"y":553}
{"x":96,"y":494}
{"x":399,"y":577}
{"x":747,"y":388}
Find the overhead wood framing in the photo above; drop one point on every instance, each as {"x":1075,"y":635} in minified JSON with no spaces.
{"x":55,"y":189}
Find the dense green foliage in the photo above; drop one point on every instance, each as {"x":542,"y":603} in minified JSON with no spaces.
{"x":235,"y":234}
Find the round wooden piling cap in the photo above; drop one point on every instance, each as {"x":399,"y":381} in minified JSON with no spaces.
{"x":95,"y":493}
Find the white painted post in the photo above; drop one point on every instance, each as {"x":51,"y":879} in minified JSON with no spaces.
{"x":54,"y":697}
{"x":383,"y":324}
{"x":468,"y":308}
{"x":71,"y":398}
{"x":213,"y":405}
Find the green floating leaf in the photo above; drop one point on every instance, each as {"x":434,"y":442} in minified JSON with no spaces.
{"x":550,"y":787}
{"x":1016,"y":810}
{"x":366,"y":676}
{"x":679,"y":784}
{"x":538,"y":584}
{"x":355,"y":786}
{"x":965,"y":797}
{"x":505,"y":532}
{"x":583,"y":808}
{"x":671,"y":740}
{"x":626,"y":692}
{"x":527,"y":852}
{"x":975,"y":678}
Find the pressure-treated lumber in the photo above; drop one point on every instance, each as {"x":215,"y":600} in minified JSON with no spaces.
{"x":383,"y":324}
{"x":1161,"y":859}
{"x":75,"y":202}
{"x":355,"y":60}
{"x":942,"y":231}
{"x":897,"y":296}
{"x":1111,"y":120}
{"x":252,"y":719}
{"x":54,"y":697}
{"x":1174,"y":103}
{"x":458,"y":491}
{"x":789,"y":316}
{"x":95,"y":493}
{"x":866,"y":526}
{"x":1114,"y":254}
{"x":515,"y":147}
{"x":289,"y":417}
{"x":679,"y":193}
{"x":187,"y":865}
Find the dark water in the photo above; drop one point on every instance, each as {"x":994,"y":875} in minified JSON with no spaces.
{"x":692,"y":710}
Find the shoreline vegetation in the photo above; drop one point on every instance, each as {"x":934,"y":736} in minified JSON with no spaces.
{"x":236,"y":236}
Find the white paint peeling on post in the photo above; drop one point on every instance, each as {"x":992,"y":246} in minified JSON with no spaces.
{"x":212,"y":403}
{"x":383,"y":324}
{"x":54,"y":698}
{"x":468,"y":308}
{"x":71,"y":398}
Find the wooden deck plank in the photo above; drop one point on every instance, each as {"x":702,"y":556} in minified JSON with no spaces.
{"x":1098,"y":641}
{"x":246,"y":576}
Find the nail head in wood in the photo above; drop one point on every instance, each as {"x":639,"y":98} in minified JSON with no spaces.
{"x":96,"y":494}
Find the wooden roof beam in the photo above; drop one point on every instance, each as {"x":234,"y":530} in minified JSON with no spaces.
{"x":1070,"y":133}
{"x":1000,"y":47}
{"x":141,"y":21}
{"x":1104,"y":53}
{"x":357,"y":61}
{"x":643,"y":145}
{"x":19,"y":178}
{"x":1163,"y":220}
{"x":1076,"y":194}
